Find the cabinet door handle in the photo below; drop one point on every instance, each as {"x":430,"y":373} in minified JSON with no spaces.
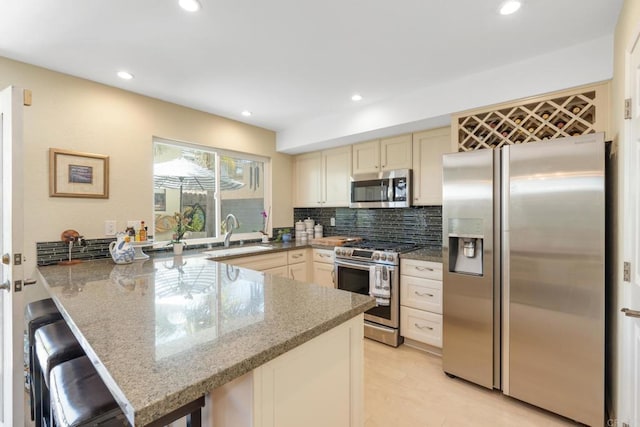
{"x":293,"y":276}
{"x":630,"y":313}
{"x":423,"y":327}
{"x":424,"y":268}
{"x":420,"y":294}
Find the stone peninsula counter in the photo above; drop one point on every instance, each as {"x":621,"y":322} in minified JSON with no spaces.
{"x":165,"y":332}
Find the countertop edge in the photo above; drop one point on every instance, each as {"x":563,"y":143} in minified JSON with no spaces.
{"x":197,"y":390}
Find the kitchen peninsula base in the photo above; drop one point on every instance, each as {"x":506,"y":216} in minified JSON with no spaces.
{"x":319,"y":383}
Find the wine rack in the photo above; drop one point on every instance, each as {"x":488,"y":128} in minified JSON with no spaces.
{"x":557,"y":115}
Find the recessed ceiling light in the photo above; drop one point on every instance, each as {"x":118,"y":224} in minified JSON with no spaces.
{"x":190,"y":5}
{"x":509,"y":7}
{"x":356,"y":97}
{"x":246,"y":113}
{"x":125,"y":75}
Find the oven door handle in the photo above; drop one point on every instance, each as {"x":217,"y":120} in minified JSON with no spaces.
{"x":360,"y":266}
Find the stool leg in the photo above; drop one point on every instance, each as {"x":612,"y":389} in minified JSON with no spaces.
{"x":194,"y":419}
{"x":37,"y":393}
{"x":31,"y":393}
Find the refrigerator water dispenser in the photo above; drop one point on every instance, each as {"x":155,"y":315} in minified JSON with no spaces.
{"x":465,"y":255}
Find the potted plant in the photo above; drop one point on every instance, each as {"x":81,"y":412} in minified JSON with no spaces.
{"x":265,"y":230}
{"x":183,"y":225}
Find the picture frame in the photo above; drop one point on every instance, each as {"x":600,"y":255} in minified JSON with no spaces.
{"x":77,"y":174}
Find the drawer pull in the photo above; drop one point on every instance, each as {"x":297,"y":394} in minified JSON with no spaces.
{"x":425,"y":294}
{"x":424,"y":268}
{"x":423,"y":327}
{"x":296,"y":256}
{"x":324,"y":256}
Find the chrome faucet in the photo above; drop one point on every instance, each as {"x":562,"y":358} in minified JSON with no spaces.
{"x":229,"y":229}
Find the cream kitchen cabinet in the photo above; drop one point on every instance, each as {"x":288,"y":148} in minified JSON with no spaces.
{"x":298,"y":265}
{"x":421,"y":303}
{"x":383,"y":154}
{"x":428,"y":148}
{"x":323,"y":267}
{"x":317,"y":384}
{"x":322,"y":178}
{"x":274,"y":264}
{"x":292,"y":264}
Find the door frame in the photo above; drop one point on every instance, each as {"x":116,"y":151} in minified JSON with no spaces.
{"x":628,"y":176}
{"x":13,"y":303}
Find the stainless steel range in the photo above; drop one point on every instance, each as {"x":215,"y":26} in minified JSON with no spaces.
{"x":373,"y":268}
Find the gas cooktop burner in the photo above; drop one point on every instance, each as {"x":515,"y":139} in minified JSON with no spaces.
{"x":378,"y":245}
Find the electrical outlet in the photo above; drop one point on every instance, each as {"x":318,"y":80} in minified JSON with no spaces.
{"x":333,"y":222}
{"x":110,"y":227}
{"x":134,"y":223}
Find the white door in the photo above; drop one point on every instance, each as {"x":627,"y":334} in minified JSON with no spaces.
{"x":11,"y":239}
{"x":630,"y":331}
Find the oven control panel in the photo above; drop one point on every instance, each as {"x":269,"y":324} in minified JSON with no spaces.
{"x":380,"y":257}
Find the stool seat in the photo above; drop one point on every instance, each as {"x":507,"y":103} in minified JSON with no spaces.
{"x":40,"y":313}
{"x":79,"y":397}
{"x":54,"y":344}
{"x":37,"y":314}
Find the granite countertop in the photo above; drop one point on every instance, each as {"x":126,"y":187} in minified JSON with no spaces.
{"x":424,"y":254}
{"x":166,"y":331}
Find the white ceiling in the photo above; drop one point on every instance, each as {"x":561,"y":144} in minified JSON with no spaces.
{"x":289,"y":61}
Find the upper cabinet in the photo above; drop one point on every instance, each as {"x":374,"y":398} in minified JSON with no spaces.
{"x":428,"y":148}
{"x":383,"y":154}
{"x":322,"y":178}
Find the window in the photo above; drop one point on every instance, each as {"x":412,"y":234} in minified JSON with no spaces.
{"x":205,"y":185}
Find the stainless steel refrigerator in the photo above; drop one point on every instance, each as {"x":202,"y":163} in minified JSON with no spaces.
{"x":524,"y":272}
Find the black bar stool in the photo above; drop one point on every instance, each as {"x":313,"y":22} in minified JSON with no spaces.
{"x":37,"y":314}
{"x":54,"y":344}
{"x":80,"y":398}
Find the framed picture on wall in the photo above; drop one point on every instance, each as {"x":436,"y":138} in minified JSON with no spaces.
{"x":76,"y":174}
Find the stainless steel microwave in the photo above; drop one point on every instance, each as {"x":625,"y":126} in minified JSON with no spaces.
{"x":389,"y":189}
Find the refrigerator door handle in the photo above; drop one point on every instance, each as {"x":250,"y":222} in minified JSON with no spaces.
{"x":630,"y":313}
{"x":505,"y":192}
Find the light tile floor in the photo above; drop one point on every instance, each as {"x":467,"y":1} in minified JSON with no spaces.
{"x":406,"y":387}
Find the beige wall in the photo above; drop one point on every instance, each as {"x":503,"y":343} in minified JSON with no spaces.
{"x":626,"y":28}
{"x":77,"y":114}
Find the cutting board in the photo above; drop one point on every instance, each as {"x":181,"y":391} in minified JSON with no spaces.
{"x":334,"y":240}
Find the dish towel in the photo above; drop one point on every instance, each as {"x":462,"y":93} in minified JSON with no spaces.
{"x":379,"y":285}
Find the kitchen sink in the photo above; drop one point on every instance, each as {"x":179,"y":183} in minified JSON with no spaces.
{"x":238,"y":250}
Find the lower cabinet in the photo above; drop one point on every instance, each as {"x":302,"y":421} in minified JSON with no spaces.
{"x":277,"y":271}
{"x":421,"y":303}
{"x":293,"y":264}
{"x":298,"y":265}
{"x":323,"y":267}
{"x":317,"y":384}
{"x":264,"y":262}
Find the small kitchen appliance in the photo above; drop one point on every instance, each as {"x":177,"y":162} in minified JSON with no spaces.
{"x":388,"y":189}
{"x":373,"y":268}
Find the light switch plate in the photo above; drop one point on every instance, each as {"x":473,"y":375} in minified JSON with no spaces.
{"x":110,"y":227}
{"x":333,"y":222}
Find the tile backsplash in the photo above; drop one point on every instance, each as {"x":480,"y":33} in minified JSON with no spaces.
{"x":420,"y":224}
